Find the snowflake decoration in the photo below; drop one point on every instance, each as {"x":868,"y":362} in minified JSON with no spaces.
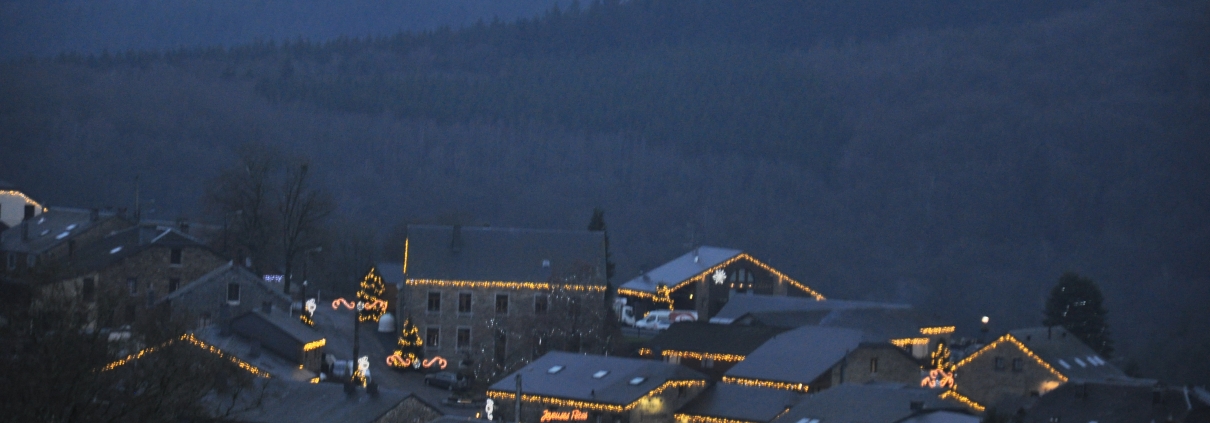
{"x":719,"y":276}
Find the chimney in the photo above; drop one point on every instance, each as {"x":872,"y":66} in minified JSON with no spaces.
{"x":456,"y":240}
{"x":183,"y":226}
{"x":29,"y":212}
{"x":94,"y":215}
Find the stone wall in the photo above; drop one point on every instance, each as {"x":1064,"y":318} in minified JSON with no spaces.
{"x":410,"y":410}
{"x":981,"y":381}
{"x":893,"y":365}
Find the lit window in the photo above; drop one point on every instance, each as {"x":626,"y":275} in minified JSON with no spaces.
{"x":501,"y":303}
{"x":464,"y":302}
{"x":432,"y":337}
{"x":434,"y":302}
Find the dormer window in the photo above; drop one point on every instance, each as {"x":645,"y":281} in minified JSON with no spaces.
{"x":554,"y":369}
{"x":600,"y":374}
{"x":638,"y":380}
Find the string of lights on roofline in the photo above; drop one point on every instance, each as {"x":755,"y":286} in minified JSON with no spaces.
{"x":592,"y":405}
{"x":26,"y":198}
{"x":937,"y":330}
{"x":694,"y":355}
{"x":906,"y":342}
{"x":665,"y":296}
{"x":797,"y":387}
{"x":196,"y":342}
{"x":951,"y":394}
{"x":503,"y":285}
{"x":694,"y":418}
{"x":315,"y":344}
{"x":1010,"y":339}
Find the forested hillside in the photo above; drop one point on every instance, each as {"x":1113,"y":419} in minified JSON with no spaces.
{"x":954,"y":157}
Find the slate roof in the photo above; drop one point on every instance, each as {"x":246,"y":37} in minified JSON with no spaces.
{"x":576,"y":381}
{"x":942,"y":416}
{"x":224,"y":274}
{"x":880,"y":403}
{"x":1113,"y":403}
{"x":502,"y":254}
{"x":252,"y":352}
{"x":277,"y":331}
{"x":392,"y":273}
{"x":126,"y":243}
{"x":739,"y":402}
{"x":711,"y":338}
{"x":57,"y":225}
{"x":879,"y":323}
{"x":740,"y":305}
{"x":681,"y":268}
{"x":798,"y":356}
{"x":300,"y":402}
{"x":1067,"y":354}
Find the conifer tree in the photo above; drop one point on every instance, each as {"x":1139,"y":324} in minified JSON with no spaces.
{"x":410,"y":346}
{"x":1076,"y":304}
{"x":370,"y":292}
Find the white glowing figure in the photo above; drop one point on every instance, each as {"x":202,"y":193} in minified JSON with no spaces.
{"x":311,"y":306}
{"x":489,"y":408}
{"x":363,"y":364}
{"x":719,"y":276}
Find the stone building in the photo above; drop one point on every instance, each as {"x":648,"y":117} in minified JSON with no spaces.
{"x":496,"y":298}
{"x":705,"y":279}
{"x":132,"y":270}
{"x":224,"y":293}
{"x":50,"y":238}
{"x":1029,"y":363}
{"x":563,"y":386}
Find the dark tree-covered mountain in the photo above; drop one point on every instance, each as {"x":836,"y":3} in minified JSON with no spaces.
{"x":957,"y":158}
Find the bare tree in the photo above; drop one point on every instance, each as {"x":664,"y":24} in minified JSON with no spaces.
{"x":302,"y":209}
{"x":244,"y":195}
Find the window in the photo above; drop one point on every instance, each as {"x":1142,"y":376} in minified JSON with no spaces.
{"x":173,"y":284}
{"x":501,"y":303}
{"x":999,"y":363}
{"x":130,"y":313}
{"x":1018,"y":364}
{"x":233,"y":293}
{"x":432,"y":337}
{"x":874,"y":365}
{"x":464,"y":302}
{"x":434,"y":302}
{"x":31,"y":260}
{"x":89,"y":289}
{"x":150,"y":297}
{"x":541,"y":303}
{"x":175,"y":256}
{"x":464,"y":339}
{"x":132,"y":284}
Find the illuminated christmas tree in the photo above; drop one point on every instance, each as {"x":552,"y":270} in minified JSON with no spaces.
{"x":410,"y":347}
{"x":940,"y":358}
{"x":370,"y":292}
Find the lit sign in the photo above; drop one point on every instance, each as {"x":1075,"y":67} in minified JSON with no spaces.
{"x":719,"y":276}
{"x":563,"y":416}
{"x":938,"y":378}
{"x":274,"y":278}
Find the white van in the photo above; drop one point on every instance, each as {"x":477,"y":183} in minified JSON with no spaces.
{"x":661,"y":319}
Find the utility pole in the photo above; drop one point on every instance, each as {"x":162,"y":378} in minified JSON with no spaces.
{"x":356,"y":338}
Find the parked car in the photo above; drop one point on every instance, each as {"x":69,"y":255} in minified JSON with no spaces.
{"x":447,"y":380}
{"x":661,"y":319}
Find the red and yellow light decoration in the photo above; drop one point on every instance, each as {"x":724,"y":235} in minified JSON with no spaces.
{"x":954,"y":395}
{"x":563,"y":416}
{"x":308,"y":317}
{"x":699,"y":355}
{"x":761,"y":383}
{"x":437,"y":283}
{"x":410,"y":347}
{"x":592,"y":405}
{"x":192,"y":340}
{"x":661,"y":297}
{"x":370,"y":292}
{"x":1008,"y":338}
{"x":937,"y":330}
{"x":399,"y":361}
{"x":341,"y":302}
{"x":907,"y":342}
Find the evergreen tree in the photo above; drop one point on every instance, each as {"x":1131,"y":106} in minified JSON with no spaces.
{"x":597,"y":224}
{"x":370,"y":292}
{"x":410,"y":346}
{"x":1076,"y":304}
